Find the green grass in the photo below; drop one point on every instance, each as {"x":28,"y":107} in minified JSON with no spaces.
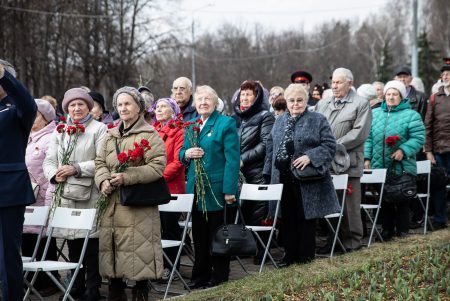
{"x":415,"y":268}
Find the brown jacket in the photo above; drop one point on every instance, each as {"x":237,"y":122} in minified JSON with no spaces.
{"x":437,"y":123}
{"x":130,"y":237}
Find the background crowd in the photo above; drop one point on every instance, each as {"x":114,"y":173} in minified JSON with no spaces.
{"x":273,"y":136}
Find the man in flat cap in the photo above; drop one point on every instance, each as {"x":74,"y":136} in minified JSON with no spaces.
{"x":437,"y":142}
{"x":304,"y":78}
{"x":417,"y":99}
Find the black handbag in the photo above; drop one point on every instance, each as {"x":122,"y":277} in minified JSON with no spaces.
{"x":233,"y":239}
{"x":309,"y":173}
{"x":400,"y":188}
{"x":144,"y":194}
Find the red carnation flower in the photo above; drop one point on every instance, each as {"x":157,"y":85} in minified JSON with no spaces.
{"x":199,"y":121}
{"x":136,"y":145}
{"x":71,"y":130}
{"x":391,"y":141}
{"x":138,"y":152}
{"x":122,"y":157}
{"x":110,"y":125}
{"x":349,"y":189}
{"x":196,"y":129}
{"x":81,"y":127}
{"x":60,"y":128}
{"x":180,"y":116}
{"x":145,"y":143}
{"x":62,"y":119}
{"x":76,"y":122}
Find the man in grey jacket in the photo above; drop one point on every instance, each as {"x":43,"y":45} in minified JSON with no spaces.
{"x":350,"y":118}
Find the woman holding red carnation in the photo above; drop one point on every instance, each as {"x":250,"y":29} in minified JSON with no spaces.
{"x":211,"y":153}
{"x":165,"y":112}
{"x":130,"y":237}
{"x":397,"y":134}
{"x":77,"y":176}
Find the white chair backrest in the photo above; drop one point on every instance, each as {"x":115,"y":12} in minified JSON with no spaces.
{"x":374,"y":176}
{"x":340,"y":181}
{"x":71,"y":218}
{"x":36,"y":215}
{"x":254,"y":192}
{"x":423,"y":167}
{"x":182,"y":203}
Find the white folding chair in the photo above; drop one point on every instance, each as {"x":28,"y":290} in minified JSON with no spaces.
{"x":266,"y":193}
{"x":340,"y":183}
{"x":180,"y":203}
{"x":374,"y":176}
{"x":66,"y":218}
{"x":424,"y":168}
{"x":36,"y":216}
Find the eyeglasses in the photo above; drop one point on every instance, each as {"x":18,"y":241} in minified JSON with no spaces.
{"x":182,"y":89}
{"x":298,"y":100}
{"x":205,"y":99}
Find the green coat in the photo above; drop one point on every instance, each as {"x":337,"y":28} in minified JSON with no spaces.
{"x":220,"y":142}
{"x":402,"y":121}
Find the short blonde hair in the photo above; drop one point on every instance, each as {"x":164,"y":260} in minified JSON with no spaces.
{"x":206,"y":89}
{"x":51,"y":100}
{"x":296,"y":88}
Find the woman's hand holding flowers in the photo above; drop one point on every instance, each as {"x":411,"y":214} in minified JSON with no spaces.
{"x":117,"y":179}
{"x":194,"y":153}
{"x":397,"y":155}
{"x":64,"y":172}
{"x":106,"y":187}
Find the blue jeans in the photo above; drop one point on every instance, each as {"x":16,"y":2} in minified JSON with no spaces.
{"x":439,"y":196}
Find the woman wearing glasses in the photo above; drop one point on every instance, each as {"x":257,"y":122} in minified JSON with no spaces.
{"x":301,"y":138}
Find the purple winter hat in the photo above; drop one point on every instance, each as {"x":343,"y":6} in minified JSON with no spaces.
{"x":76,"y":93}
{"x":171,"y":102}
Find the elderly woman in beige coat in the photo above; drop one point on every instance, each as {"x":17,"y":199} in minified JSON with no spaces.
{"x":130,"y":237}
{"x":79,"y":189}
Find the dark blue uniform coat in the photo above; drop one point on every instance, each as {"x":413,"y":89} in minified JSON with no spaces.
{"x":17,"y":114}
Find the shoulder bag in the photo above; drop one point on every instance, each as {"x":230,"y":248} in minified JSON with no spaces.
{"x":233,"y":239}
{"x":144,"y":194}
{"x":309,"y":173}
{"x":400,"y":188}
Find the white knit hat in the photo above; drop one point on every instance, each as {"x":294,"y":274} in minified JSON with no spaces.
{"x":398,"y":85}
{"x":367,"y":91}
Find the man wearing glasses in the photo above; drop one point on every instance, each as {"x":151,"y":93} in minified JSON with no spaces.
{"x":182,"y":93}
{"x":304,"y":78}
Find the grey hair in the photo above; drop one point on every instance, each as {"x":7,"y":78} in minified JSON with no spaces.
{"x":345,"y":72}
{"x":209,"y":90}
{"x":189,"y":83}
{"x":378,"y":83}
{"x":8,"y":67}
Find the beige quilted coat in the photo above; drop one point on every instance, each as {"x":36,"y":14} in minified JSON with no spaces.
{"x":130,"y":237}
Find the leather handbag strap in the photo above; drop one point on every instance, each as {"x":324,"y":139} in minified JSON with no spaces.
{"x":225,"y":214}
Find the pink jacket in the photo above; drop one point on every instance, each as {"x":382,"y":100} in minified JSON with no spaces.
{"x":34,"y":157}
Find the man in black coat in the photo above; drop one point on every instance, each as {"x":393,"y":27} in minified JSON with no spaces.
{"x":17,"y":114}
{"x":417,"y":99}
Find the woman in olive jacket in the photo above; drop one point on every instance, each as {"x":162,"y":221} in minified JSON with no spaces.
{"x":130,"y":237}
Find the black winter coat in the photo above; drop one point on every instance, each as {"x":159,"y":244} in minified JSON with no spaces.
{"x":254,"y":126}
{"x":418,"y":102}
